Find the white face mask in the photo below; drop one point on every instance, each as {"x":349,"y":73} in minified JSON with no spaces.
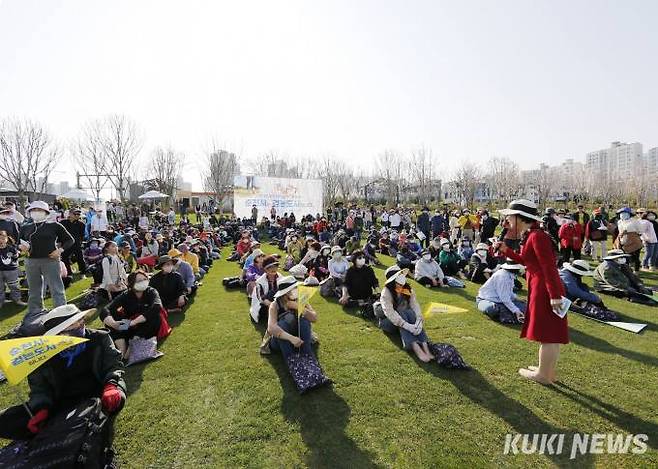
{"x":360,"y":262}
{"x":651,"y":217}
{"x":401,"y":280}
{"x":38,"y":215}
{"x":482,"y":252}
{"x":292,"y":296}
{"x":446,"y":247}
{"x":141,"y":285}
{"x":336,"y":255}
{"x":621,"y":261}
{"x":167,"y":268}
{"x":427,"y":257}
{"x":624,"y":216}
{"x":435,"y":244}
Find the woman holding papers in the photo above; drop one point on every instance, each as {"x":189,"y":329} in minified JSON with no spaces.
{"x":545,"y":321}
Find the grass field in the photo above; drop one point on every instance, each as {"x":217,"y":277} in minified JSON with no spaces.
{"x":214,"y":401}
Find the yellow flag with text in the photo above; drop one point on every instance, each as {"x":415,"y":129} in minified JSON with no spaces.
{"x":305,"y":294}
{"x":20,"y":357}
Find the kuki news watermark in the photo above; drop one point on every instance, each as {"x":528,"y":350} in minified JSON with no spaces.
{"x":575,"y":445}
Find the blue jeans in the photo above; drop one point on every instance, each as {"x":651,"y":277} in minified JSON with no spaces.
{"x":289,"y":324}
{"x":408,"y":339}
{"x":650,"y":255}
{"x":493,"y":310}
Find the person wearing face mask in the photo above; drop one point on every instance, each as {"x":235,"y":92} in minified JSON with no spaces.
{"x":266,"y":287}
{"x":488,"y":225}
{"x":451,"y":263}
{"x":76,"y":228}
{"x":170,"y":285}
{"x":424,"y":225}
{"x":312,"y":253}
{"x":370,"y":251}
{"x":8,"y":224}
{"x":149,"y":252}
{"x":435,"y":247}
{"x":438,"y":223}
{"x":481,"y":264}
{"x":614,"y":277}
{"x":465,"y":249}
{"x":320,"y":266}
{"x":468,"y":223}
{"x":402,"y":311}
{"x":496,"y":297}
{"x":134,"y":313}
{"x":571,"y":241}
{"x":254,"y":271}
{"x":428,"y":272}
{"x":91,"y":369}
{"x":650,"y":216}
{"x":290,"y":334}
{"x":39,"y":240}
{"x":628,"y":236}
{"x":294,"y":250}
{"x":14,"y":214}
{"x":648,"y":235}
{"x":9,"y":270}
{"x":360,"y":282}
{"x":596,"y":231}
{"x":338,"y":266}
{"x":114,"y":272}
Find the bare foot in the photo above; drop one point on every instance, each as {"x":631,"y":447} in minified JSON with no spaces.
{"x":553,"y":378}
{"x":534,"y":376}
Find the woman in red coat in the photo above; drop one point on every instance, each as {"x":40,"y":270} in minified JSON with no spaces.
{"x":545,"y":290}
{"x":571,"y":239}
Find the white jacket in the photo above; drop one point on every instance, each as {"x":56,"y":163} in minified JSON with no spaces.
{"x":386,"y":300}
{"x":430,"y":269}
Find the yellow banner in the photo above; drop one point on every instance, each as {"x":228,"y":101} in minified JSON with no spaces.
{"x":305,"y":294}
{"x":20,"y":357}
{"x":441,"y":308}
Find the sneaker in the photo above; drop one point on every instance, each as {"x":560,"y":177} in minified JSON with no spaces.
{"x":20,"y":303}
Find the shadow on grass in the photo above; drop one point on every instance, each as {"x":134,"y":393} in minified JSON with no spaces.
{"x":475,"y":387}
{"x":630,"y":423}
{"x":322,"y":416}
{"x":600,"y":345}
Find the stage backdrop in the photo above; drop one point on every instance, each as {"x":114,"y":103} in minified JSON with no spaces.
{"x":299,"y":196}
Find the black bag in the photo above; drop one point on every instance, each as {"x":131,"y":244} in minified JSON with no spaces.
{"x":448,"y":356}
{"x":75,"y":437}
{"x":306,"y":372}
{"x":233,"y":282}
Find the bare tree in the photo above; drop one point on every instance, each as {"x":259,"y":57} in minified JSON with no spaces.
{"x":326,"y":170}
{"x":89,"y":155}
{"x":164,"y":169}
{"x":27,"y":155}
{"x":122,"y":141}
{"x":504,"y":178}
{"x":389,"y":168}
{"x":545,"y":181}
{"x":466,"y":179}
{"x":422,"y":173}
{"x":221,"y":168}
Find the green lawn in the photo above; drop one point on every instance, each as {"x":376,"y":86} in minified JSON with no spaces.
{"x":214,"y":401}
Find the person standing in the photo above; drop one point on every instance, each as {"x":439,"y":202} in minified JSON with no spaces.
{"x":254,"y":214}
{"x":39,"y":240}
{"x":423,"y":224}
{"x":545,"y":289}
{"x":570,"y":239}
{"x":76,"y":228}
{"x":8,"y":224}
{"x":9,"y":270}
{"x":596,"y":231}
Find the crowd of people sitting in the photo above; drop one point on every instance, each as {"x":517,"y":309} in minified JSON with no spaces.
{"x":145,"y":266}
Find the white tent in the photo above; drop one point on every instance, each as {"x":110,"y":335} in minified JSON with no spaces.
{"x":78,"y":194}
{"x":153,"y":195}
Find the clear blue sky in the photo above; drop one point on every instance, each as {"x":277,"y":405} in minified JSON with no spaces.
{"x":532,"y":80}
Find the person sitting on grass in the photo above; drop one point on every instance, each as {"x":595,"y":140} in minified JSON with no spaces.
{"x":402,"y":312}
{"x":614,"y":277}
{"x":370,"y":251}
{"x":92,"y":369}
{"x":338,"y":266}
{"x":319,"y":268}
{"x":465,"y":249}
{"x":361,"y":284}
{"x":134,"y":313}
{"x":583,"y":300}
{"x":428,"y":272}
{"x":481,"y":264}
{"x":294,"y":249}
{"x":126,"y":255}
{"x":244,"y":244}
{"x":170,"y":285}
{"x":191,"y":259}
{"x":149,"y":252}
{"x":496,"y":298}
{"x":114,"y":273}
{"x":405,"y":259}
{"x":385,"y":244}
{"x":266,"y":286}
{"x":184,"y":269}
{"x":254,"y":271}
{"x":450,"y":262}
{"x":9,"y":270}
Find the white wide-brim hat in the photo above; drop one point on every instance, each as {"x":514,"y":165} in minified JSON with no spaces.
{"x":522,"y":207}
{"x":615,"y":254}
{"x":393,"y":272}
{"x":39,"y":204}
{"x":285,"y":285}
{"x":579,"y":267}
{"x":58,"y":319}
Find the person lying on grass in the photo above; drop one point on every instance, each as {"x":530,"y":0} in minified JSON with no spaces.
{"x":402,"y":311}
{"x":496,"y":297}
{"x":134,"y":313}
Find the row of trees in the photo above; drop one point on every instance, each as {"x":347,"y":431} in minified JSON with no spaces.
{"x":106,"y":153}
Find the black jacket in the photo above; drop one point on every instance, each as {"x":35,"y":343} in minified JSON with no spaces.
{"x":97,"y":365}
{"x":43,"y":238}
{"x":76,"y":229}
{"x":169,"y":286}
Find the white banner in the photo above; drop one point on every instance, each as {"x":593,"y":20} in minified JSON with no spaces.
{"x":298,"y":196}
